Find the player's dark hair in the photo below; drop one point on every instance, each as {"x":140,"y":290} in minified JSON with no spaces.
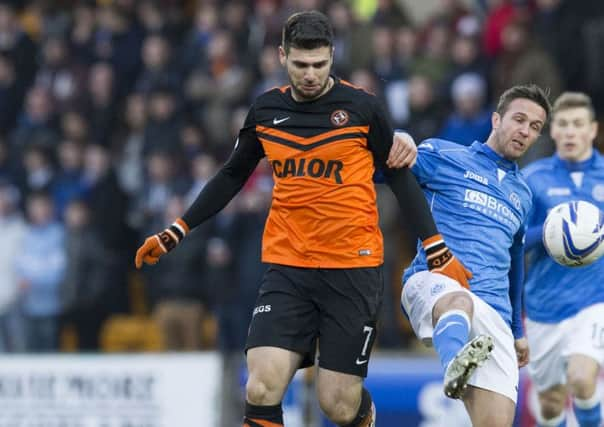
{"x":307,"y":30}
{"x":532,"y":92}
{"x":574,"y":100}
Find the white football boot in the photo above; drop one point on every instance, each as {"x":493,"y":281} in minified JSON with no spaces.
{"x":460,"y":369}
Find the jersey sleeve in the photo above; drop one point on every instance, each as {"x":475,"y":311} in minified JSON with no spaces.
{"x":427,"y":161}
{"x":229,"y":180}
{"x":516,"y":280}
{"x":535,"y":219}
{"x":410,"y":197}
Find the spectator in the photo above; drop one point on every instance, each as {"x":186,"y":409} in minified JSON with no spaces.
{"x":153,"y":19}
{"x":129,"y":143}
{"x":203,"y":167}
{"x":15,"y":43}
{"x":405,"y":46}
{"x":6,"y":173}
{"x":390,"y":13}
{"x":162,"y":183}
{"x":384,"y":62}
{"x":69,"y":182}
{"x":426,"y":114}
{"x":108,"y":206}
{"x":499,"y":14}
{"x":40,"y":268}
{"x":270,"y":71}
{"x":13,"y":232}
{"x":192,"y":140}
{"x":101,"y":104}
{"x":157,"y":65}
{"x":466,"y":57}
{"x":179,"y":295}
{"x":118,"y":41}
{"x":10,"y":94}
{"x":35,"y":126}
{"x":38,"y":171}
{"x":470,"y":121}
{"x":195,"y":45}
{"x":235,"y":16}
{"x":82,"y":32}
{"x":214,"y":88}
{"x":163,"y":125}
{"x":60,"y":75}
{"x":75,"y":126}
{"x":88,"y":278}
{"x":434,"y":60}
{"x":350,"y":38}
{"x":522,"y":61}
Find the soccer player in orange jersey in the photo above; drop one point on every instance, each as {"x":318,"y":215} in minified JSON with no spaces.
{"x":323,"y":139}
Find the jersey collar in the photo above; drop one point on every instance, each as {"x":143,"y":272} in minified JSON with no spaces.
{"x":505,"y":164}
{"x":579,"y":166}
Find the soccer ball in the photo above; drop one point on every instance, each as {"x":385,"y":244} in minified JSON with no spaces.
{"x":573,"y":233}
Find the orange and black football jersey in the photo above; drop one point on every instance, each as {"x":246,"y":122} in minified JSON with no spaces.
{"x":322,"y":154}
{"x":323,"y":212}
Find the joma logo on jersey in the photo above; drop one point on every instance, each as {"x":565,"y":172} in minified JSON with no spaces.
{"x":315,"y":168}
{"x":471,"y":175}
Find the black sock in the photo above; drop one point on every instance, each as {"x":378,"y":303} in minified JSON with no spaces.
{"x":263,"y":416}
{"x":364,"y":415}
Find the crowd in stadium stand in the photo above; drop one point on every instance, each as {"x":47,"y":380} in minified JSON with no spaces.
{"x":114,"y":114}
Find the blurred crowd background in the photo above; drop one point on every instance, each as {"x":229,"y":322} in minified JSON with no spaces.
{"x":114,"y":114}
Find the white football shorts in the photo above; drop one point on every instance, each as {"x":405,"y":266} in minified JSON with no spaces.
{"x":552,"y":343}
{"x":500,"y":372}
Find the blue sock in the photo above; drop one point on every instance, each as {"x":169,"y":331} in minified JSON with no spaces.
{"x":588,"y":412}
{"x":450,"y":335}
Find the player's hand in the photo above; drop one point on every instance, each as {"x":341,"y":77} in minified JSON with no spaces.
{"x":522,"y":351}
{"x":441,"y":260}
{"x":161,"y":243}
{"x":403,"y":152}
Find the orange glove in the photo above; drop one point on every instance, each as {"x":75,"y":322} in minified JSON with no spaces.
{"x":441,"y":260}
{"x":161,"y":243}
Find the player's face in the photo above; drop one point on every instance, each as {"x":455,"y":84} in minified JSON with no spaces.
{"x":573,"y":130}
{"x":517,"y":129}
{"x":308,"y":71}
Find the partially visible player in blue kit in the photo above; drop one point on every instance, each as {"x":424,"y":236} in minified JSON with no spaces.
{"x":480,"y":203}
{"x":565,"y":306}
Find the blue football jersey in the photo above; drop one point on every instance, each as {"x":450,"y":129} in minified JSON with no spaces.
{"x":480,"y":204}
{"x":554,"y":292}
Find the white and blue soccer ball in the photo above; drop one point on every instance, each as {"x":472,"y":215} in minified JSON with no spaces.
{"x":573,"y":233}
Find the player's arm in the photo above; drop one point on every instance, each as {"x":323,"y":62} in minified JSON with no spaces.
{"x":216,"y":194}
{"x":516,"y":280}
{"x":534,"y":236}
{"x":413,"y":204}
{"x":534,"y":232}
{"x":403,"y":154}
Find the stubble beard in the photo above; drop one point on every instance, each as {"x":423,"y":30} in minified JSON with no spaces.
{"x":309,"y":97}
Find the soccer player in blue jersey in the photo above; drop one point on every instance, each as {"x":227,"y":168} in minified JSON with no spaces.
{"x":565,"y":306}
{"x":480,"y":203}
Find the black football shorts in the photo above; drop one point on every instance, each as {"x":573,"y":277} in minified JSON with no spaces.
{"x":298,"y":308}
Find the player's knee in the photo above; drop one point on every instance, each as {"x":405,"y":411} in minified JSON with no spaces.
{"x":339,"y":405}
{"x":551,"y":404}
{"x":581,"y":383}
{"x":453,"y":301}
{"x":497,"y":420}
{"x":261,"y":392}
